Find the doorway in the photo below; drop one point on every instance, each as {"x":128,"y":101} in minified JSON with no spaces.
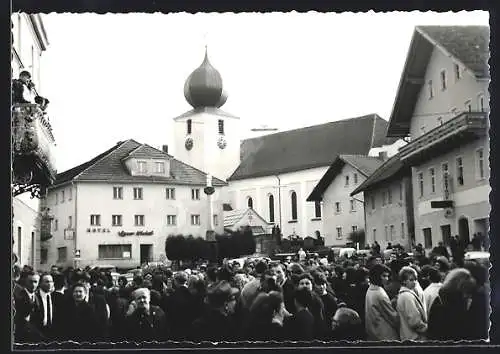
{"x":146,"y":253}
{"x":446,"y":234}
{"x":463,"y":230}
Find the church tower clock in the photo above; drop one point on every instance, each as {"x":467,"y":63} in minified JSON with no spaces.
{"x":207,"y":137}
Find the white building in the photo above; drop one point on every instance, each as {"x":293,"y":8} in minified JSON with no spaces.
{"x":343,"y":214}
{"x":120,"y":207}
{"x":29,"y":41}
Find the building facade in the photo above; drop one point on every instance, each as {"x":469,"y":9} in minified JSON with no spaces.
{"x":120,"y":207}
{"x":26,"y":230}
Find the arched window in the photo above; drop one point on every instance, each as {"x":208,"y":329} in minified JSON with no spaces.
{"x":293,"y":200}
{"x":271,"y":208}
{"x":189,"y":126}
{"x":250,"y":202}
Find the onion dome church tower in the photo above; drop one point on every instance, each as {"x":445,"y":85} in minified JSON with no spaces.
{"x":207,"y":137}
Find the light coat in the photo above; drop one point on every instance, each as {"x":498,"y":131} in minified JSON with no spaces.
{"x":382,"y":320}
{"x":412,"y":315}
{"x":430,"y":294}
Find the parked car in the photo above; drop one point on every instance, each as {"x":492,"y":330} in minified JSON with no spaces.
{"x":363,"y":253}
{"x":481,"y":257}
{"x":105,"y":268}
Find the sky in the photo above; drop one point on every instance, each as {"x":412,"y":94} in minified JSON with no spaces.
{"x":118,"y":76}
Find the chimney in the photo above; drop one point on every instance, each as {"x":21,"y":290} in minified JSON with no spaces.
{"x":164,"y":148}
{"x":382,"y":155}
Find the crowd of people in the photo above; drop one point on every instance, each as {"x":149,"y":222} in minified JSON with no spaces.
{"x":374,"y":298}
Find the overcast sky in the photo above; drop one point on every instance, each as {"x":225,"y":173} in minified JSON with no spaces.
{"x":118,"y":76}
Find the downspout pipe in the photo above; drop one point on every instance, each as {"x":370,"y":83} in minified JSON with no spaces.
{"x":279,"y":201}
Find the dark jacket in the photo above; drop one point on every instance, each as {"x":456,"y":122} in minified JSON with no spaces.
{"x":214,"y":326}
{"x":80,"y":322}
{"x":268,"y":331}
{"x":449,"y":320}
{"x":98,"y":303}
{"x":288,"y":295}
{"x":300,"y":326}
{"x":479,"y":312}
{"x":26,"y":332}
{"x":180,"y":309}
{"x":147,"y":327}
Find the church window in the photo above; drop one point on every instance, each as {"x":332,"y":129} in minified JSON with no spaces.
{"x":250,"y":202}
{"x":317,"y":209}
{"x":271,"y":208}
{"x":189,"y":126}
{"x":221,"y":127}
{"x":293,"y":200}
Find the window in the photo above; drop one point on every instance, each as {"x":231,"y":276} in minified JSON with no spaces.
{"x":440,"y":120}
{"x":460,"y":171}
{"x":347,"y":181}
{"x":117,"y":192}
{"x":480,"y":163}
{"x":391,"y":230}
{"x":70,"y":222}
{"x":195,"y":219}
{"x":195,"y":194}
{"x":70,"y":193}
{"x":95,"y":220}
{"x":427,"y":237}
{"x":386,"y":229}
{"x":62,"y":254}
{"x":337,"y":207}
{"x":171,"y":220}
{"x":115,"y":251}
{"x":432,"y":175}
{"x":250,"y":202}
{"x":56,"y":224}
{"x":468,"y":106}
{"x":221,"y":126}
{"x":420,"y":180}
{"x":142,"y":167}
{"x":160,"y":167}
{"x":431,"y":91}
{"x":457,"y":72}
{"x":389,"y":195}
{"x":139,"y":220}
{"x":62,"y":197}
{"x":403,"y":230}
{"x":372,"y":200}
{"x":384,"y":198}
{"x":354,"y":228}
{"x":271,"y":208}
{"x":401,"y":192}
{"x":44,"y":255}
{"x":317,"y":209}
{"x":116,"y":220}
{"x":339,"y":232}
{"x":443,"y":79}
{"x":353,"y":205}
{"x":170,"y":193}
{"x":480,"y":103}
{"x":137,"y":193}
{"x":293,"y":201}
{"x":374,"y":231}
{"x":189,"y":126}
{"x":355,"y":178}
{"x":216,"y":220}
{"x":446,"y":183}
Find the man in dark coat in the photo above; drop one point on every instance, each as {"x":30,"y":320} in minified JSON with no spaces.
{"x":301,"y":325}
{"x":43,"y":314}
{"x":180,"y":306}
{"x":145,"y":322}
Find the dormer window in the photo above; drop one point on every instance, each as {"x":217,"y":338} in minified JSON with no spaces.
{"x":443,"y":80}
{"x":431,"y":91}
{"x":142,"y":166}
{"x":189,"y":126}
{"x":160,"y":167}
{"x":457,"y":72}
{"x":221,"y":127}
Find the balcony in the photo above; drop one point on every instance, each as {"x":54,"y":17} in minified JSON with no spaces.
{"x":32,"y":148}
{"x":462,"y":129}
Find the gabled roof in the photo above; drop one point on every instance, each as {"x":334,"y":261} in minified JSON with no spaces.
{"x":366,"y":165}
{"x":309,"y":147}
{"x":210,"y":110}
{"x":109,"y":167}
{"x":146,"y":151}
{"x":468,"y":45}
{"x":390,"y":170}
{"x":233,"y":216}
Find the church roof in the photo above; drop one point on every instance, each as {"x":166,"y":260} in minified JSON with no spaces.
{"x":310,"y":147}
{"x":109,"y":167}
{"x":366,"y":165}
{"x":233,"y":216}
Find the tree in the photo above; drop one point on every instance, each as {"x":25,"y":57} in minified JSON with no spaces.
{"x":358,"y":236}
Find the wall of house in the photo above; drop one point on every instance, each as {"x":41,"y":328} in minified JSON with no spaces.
{"x":259,"y":189}
{"x":389,"y":213}
{"x":25,"y":233}
{"x":346,"y":219}
{"x":457,"y":94}
{"x":206,"y":154}
{"x":97,"y":198}
{"x":471,"y":200}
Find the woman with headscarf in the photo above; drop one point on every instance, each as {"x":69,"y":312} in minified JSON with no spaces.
{"x":449,"y":317}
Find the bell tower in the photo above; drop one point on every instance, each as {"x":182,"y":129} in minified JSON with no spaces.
{"x":207,"y":137}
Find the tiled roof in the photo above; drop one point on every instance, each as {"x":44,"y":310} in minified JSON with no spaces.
{"x":389,"y":170}
{"x":310,"y":147}
{"x":469,"y":44}
{"x":233,"y":216}
{"x":366,"y":165}
{"x":109,"y":166}
{"x":146,"y":151}
{"x":211,"y":110}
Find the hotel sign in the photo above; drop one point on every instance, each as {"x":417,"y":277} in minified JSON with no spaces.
{"x":138,"y":233}
{"x":98,"y":229}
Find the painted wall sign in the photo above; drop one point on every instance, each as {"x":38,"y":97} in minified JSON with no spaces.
{"x":138,"y":233}
{"x":98,"y":229}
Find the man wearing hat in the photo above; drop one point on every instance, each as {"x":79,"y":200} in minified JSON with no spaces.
{"x":217,"y":323}
{"x":145,"y":322}
{"x":22,"y":88}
